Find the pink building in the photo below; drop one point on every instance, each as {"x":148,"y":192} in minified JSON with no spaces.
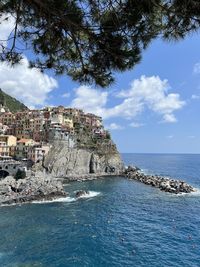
{"x":37,"y":153}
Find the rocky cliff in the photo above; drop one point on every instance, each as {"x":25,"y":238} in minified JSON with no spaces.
{"x":77,"y":163}
{"x":32,"y":188}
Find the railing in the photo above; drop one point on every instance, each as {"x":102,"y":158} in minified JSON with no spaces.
{"x":9,"y":161}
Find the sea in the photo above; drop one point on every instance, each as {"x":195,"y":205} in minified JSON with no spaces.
{"x":121,"y":223}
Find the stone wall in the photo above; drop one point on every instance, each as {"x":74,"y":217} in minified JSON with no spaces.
{"x":9,"y":168}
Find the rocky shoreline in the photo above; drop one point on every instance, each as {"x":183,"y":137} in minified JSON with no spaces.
{"x":41,"y":187}
{"x":166,"y":184}
{"x":29,"y":189}
{"x":88,"y":177}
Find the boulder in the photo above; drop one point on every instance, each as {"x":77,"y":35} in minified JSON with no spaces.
{"x":81,"y":193}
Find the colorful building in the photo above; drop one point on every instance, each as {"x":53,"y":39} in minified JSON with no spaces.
{"x":7,"y":145}
{"x":23,"y":147}
{"x":36,"y":153}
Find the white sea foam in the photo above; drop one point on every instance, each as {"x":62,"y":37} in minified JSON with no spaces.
{"x":90,"y":194}
{"x":61,"y":199}
{"x":196,"y":193}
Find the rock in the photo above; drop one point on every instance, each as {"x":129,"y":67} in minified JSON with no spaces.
{"x":131,"y":169}
{"x":81,"y":193}
{"x":29,"y":189}
{"x":163,"y":183}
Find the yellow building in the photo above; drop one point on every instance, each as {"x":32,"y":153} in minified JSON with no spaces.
{"x":56,"y":117}
{"x":10,"y":140}
{"x":7,"y":145}
{"x":68,"y":122}
{"x":4,"y":149}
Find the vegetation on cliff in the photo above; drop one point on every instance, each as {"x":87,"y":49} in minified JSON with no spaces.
{"x":11,"y":103}
{"x":100,"y":144}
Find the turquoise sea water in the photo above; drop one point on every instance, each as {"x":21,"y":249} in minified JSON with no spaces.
{"x":126,"y":224}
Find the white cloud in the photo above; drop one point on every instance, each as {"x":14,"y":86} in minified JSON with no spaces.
{"x":195,"y":97}
{"x":114,"y":126}
{"x":7,"y":23}
{"x":153,"y":93}
{"x":169,"y":118}
{"x":196,"y":69}
{"x":94,"y":101}
{"x":147,"y":92}
{"x":26,"y":84}
{"x":90,"y":100}
{"x":136,"y":124}
{"x":66,"y":95}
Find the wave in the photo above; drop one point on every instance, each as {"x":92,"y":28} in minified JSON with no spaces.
{"x":196,"y":193}
{"x":90,"y":194}
{"x":61,"y":199}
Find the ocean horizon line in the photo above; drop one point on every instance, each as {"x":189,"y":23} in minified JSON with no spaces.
{"x":161,"y":153}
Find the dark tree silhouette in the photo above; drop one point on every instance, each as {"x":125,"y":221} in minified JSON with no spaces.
{"x":20,"y":174}
{"x":91,"y":39}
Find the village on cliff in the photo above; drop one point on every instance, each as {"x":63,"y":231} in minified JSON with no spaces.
{"x":61,"y":142}
{"x":27,"y":136}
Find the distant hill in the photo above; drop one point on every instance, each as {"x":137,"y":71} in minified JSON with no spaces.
{"x":11,"y":103}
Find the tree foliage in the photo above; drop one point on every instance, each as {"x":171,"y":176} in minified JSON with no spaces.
{"x":20,"y":174}
{"x":91,"y":39}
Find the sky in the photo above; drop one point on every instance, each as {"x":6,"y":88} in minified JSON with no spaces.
{"x":154,"y":108}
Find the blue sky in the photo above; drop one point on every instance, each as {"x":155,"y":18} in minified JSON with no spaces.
{"x":176,"y":62}
{"x":153,"y":108}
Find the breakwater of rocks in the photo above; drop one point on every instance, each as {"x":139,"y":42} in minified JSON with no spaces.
{"x":163,"y":183}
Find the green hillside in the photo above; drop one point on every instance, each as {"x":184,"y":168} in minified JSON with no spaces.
{"x":11,"y":103}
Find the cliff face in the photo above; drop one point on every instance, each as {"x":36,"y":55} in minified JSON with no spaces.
{"x":75,"y":163}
